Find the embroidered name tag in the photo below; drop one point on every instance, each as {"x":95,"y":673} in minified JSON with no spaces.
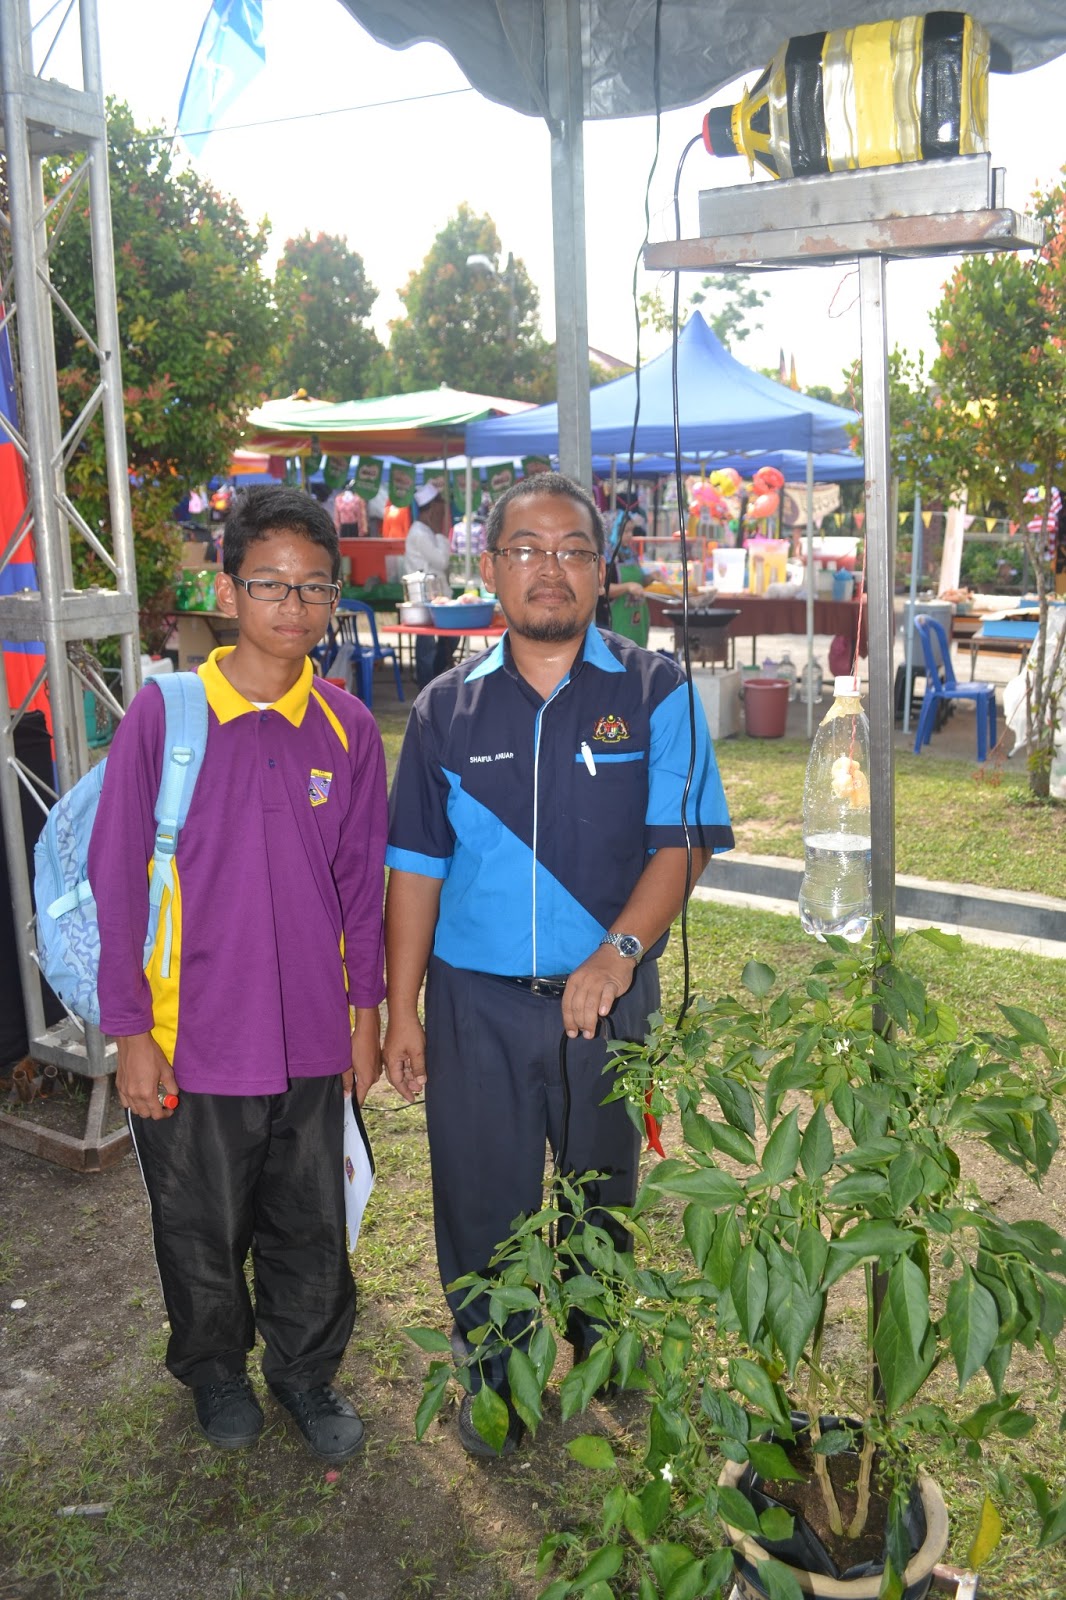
{"x":318,"y":787}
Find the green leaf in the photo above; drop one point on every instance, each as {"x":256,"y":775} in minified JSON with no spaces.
{"x":668,"y":1559}
{"x":758,"y":1388}
{"x":557,"y":1590}
{"x":525,"y":1389}
{"x":792,"y":1311}
{"x":699,"y":1224}
{"x":776,"y":1524}
{"x":903,"y":1371}
{"x":782,"y":1149}
{"x":737,"y":1510}
{"x":908,"y":1293}
{"x":604,"y":1564}
{"x":973,"y":1325}
{"x":592,"y":1450}
{"x":1028,"y":1027}
{"x":489,"y":1416}
{"x":713,"y":1188}
{"x":654,"y":1505}
{"x":816,"y":1146}
{"x":1054,"y":1526}
{"x":633,"y":1519}
{"x":779,"y":1581}
{"x":433,"y":1392}
{"x":858,"y":1188}
{"x":733,"y":1143}
{"x":430,"y":1340}
{"x":686,"y":1583}
{"x":771,"y":1462}
{"x":989,"y":1533}
{"x":812,"y":1252}
{"x":758,"y":979}
{"x":905,"y":1182}
{"x":542,"y":1354}
{"x":748,"y":1286}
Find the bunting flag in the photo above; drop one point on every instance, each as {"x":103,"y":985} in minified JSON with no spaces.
{"x":860,"y":518}
{"x":367,"y":480}
{"x":927,"y":517}
{"x":22,"y":662}
{"x":228,"y":55}
{"x":401,"y":484}
{"x":499,"y":478}
{"x":782,"y":370}
{"x":793,"y":381}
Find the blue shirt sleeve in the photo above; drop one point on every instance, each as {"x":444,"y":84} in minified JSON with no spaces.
{"x":705,"y":809}
{"x":420,"y":835}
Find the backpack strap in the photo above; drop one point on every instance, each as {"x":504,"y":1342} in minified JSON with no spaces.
{"x":185,"y":741}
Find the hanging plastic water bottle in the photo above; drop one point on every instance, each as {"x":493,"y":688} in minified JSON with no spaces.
{"x":835,"y":896}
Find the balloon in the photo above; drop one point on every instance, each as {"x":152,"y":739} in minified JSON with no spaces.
{"x":706,"y":495}
{"x":765,"y":506}
{"x":768,"y":478}
{"x":726,"y":480}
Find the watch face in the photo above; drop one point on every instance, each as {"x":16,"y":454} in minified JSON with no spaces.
{"x":630,"y":946}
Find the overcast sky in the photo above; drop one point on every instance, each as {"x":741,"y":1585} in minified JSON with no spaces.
{"x":315,"y":151}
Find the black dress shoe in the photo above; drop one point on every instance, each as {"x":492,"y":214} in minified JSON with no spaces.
{"x":332,"y":1428}
{"x":228,"y":1412}
{"x":475,"y":1445}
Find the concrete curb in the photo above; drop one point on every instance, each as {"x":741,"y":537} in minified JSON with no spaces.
{"x":996,"y":917}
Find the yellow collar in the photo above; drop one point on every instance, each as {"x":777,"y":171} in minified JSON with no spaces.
{"x":227,"y":703}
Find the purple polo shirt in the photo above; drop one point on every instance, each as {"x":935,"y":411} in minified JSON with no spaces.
{"x":280,"y":869}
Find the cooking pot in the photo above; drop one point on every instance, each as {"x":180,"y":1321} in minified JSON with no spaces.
{"x":421,"y":587}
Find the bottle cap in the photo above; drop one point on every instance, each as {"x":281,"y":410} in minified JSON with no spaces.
{"x":718,"y":132}
{"x":849,"y":687}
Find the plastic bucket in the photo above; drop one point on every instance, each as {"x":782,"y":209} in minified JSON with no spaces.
{"x":765,"y":707}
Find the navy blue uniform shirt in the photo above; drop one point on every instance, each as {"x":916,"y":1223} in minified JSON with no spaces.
{"x":539,"y":815}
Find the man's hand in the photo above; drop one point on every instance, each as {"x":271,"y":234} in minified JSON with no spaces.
{"x":366,"y":1053}
{"x":592,"y":990}
{"x":143,"y":1073}
{"x":405,"y":1055}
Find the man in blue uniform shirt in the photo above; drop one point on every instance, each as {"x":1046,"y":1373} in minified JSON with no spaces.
{"x":538,"y":856}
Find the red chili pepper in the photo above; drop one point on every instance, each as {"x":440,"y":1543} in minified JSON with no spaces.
{"x":651,"y":1128}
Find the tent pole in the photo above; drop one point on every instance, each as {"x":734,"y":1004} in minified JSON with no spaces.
{"x":614,"y":485}
{"x":468,"y":567}
{"x":908,"y":649}
{"x":810,"y":595}
{"x":565,"y":81}
{"x":873,"y":335}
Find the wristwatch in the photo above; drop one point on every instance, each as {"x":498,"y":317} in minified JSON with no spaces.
{"x":627,"y":944}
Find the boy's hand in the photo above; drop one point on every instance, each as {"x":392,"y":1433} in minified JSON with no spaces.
{"x":366,"y":1053}
{"x":405,"y":1055}
{"x":143,"y":1074}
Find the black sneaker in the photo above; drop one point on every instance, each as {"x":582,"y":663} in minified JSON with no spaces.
{"x":475,"y":1445}
{"x":332,"y":1428}
{"x":228,"y":1412}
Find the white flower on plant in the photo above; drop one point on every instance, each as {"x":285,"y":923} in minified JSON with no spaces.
{"x":840,"y":1047}
{"x":666,"y":1471}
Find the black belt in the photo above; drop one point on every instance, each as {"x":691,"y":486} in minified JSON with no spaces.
{"x":553,"y":987}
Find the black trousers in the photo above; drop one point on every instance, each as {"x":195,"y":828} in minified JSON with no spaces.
{"x":494,"y":1097}
{"x":231,"y":1173}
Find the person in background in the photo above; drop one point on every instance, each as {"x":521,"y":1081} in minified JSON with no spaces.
{"x":396,"y":522}
{"x":624,"y":582}
{"x":477,"y":533}
{"x":232,"y":1060}
{"x":540,"y":832}
{"x":375,"y":511}
{"x":428,"y":549}
{"x":349,"y":514}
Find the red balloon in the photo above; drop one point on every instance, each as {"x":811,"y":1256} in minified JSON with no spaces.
{"x":765,"y":506}
{"x":768,"y":478}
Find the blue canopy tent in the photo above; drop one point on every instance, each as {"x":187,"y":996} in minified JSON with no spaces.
{"x":831,"y":466}
{"x":722,"y":405}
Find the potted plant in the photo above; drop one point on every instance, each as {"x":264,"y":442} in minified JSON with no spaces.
{"x":815,"y":1272}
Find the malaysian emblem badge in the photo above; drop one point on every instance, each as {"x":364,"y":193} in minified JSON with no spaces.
{"x":610,"y":729}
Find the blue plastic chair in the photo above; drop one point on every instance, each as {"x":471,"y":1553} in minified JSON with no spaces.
{"x":941,"y":685}
{"x":347,"y":630}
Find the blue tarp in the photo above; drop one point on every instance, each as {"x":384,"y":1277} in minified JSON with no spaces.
{"x":723,"y":405}
{"x":830,"y":467}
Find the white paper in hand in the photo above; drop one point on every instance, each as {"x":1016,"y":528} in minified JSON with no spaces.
{"x":358,"y":1170}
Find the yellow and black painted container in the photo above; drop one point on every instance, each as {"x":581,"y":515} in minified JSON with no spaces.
{"x":911,"y":90}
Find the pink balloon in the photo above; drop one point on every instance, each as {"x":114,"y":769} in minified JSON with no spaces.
{"x":768,"y":478}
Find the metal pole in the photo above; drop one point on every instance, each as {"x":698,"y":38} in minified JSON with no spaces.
{"x":874,"y":349}
{"x":562,"y":34}
{"x":908,"y":648}
{"x":468,"y":564}
{"x":810,"y":595}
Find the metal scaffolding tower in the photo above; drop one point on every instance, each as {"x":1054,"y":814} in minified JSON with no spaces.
{"x":43,"y":118}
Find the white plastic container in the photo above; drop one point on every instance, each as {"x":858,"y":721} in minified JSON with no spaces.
{"x":730,"y":570}
{"x":836,"y":894}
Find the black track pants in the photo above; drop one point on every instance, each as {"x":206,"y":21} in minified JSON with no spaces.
{"x":495,"y":1096}
{"x":229,"y":1173}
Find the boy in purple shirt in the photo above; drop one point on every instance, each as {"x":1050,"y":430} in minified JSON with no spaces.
{"x":233,"y":1065}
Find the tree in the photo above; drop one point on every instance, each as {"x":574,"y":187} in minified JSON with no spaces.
{"x":1001,"y":369}
{"x":197,"y":330}
{"x":735,"y":297}
{"x":324,"y":299}
{"x":473,"y":327}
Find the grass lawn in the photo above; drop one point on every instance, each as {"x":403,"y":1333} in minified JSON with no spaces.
{"x":953,"y":822}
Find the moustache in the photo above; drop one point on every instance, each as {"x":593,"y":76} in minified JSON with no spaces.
{"x":551,"y":591}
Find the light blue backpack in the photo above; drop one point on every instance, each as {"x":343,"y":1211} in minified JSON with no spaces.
{"x":68,"y":937}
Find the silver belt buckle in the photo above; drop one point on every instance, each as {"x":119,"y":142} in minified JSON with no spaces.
{"x":545,"y":986}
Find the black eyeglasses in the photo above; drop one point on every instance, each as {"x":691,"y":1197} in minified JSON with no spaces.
{"x":531,"y":557}
{"x":311,"y":594}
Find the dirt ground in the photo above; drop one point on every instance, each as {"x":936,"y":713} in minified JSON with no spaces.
{"x":89,"y":1417}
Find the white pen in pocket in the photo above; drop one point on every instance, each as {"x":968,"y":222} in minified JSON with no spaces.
{"x":587,"y":758}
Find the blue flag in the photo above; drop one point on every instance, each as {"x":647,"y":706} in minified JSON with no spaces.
{"x":227,"y":57}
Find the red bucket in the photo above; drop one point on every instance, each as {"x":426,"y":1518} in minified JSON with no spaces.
{"x":765,"y":707}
